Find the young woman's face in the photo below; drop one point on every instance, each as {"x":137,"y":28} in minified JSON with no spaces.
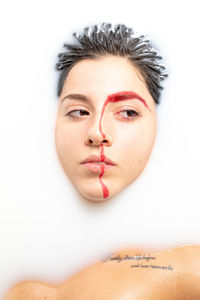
{"x":106,"y":126}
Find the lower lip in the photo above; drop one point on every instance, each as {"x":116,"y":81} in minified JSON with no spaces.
{"x":97,"y":167}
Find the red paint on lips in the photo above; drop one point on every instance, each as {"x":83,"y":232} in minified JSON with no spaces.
{"x":97,"y":167}
{"x":94,"y":163}
{"x":98,"y":158}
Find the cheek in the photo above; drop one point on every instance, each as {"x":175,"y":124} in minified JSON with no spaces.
{"x":137,"y":143}
{"x":67,"y":140}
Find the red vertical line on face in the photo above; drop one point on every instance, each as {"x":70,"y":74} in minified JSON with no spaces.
{"x":120,"y":96}
{"x":104,"y":187}
{"x":102,"y":153}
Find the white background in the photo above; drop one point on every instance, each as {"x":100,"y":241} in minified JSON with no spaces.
{"x":47,"y":232}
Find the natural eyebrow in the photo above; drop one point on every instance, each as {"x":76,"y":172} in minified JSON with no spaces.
{"x":76,"y":97}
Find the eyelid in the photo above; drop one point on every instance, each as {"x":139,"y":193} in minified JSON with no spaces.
{"x":76,"y":107}
{"x":124,"y":108}
{"x":129,"y":110}
{"x":119,"y":114}
{"x":70,"y":114}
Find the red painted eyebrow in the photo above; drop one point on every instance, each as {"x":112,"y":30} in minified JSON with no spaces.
{"x":125,"y":95}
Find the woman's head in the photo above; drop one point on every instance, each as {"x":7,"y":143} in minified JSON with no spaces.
{"x":100,"y":40}
{"x":106,"y":121}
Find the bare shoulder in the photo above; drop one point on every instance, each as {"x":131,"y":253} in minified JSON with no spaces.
{"x":168,"y":274}
{"x":32,"y":291}
{"x":188,"y":256}
{"x":192,"y":250}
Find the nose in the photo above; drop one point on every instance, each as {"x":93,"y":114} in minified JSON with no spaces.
{"x":96,"y":136}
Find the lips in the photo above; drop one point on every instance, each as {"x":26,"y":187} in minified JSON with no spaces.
{"x":98,"y":163}
{"x":98,"y":159}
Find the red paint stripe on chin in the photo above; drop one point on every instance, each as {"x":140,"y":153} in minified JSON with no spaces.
{"x":104,"y":188}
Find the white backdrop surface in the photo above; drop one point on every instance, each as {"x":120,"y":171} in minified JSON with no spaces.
{"x":47,"y":232}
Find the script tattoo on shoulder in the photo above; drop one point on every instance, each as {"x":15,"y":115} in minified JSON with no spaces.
{"x":146,"y":258}
{"x":152,"y":267}
{"x":120,"y":258}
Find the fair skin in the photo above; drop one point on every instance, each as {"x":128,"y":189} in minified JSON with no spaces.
{"x":126,"y":275}
{"x":131,"y":274}
{"x":129,"y":126}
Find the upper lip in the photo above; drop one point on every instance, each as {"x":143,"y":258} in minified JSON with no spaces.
{"x":98,"y":158}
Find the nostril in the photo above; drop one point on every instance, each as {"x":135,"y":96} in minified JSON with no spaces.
{"x":96,"y":141}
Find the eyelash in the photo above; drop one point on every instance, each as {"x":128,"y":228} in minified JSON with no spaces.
{"x":133,"y":112}
{"x":70,"y":114}
{"x":76,"y":110}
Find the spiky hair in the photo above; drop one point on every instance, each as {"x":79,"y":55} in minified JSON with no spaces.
{"x":119,"y":40}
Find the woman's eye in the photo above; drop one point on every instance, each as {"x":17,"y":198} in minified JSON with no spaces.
{"x":128,"y":114}
{"x":77,"y":113}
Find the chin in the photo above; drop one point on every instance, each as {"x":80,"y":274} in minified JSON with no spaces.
{"x":93,"y":192}
{"x":94,"y":196}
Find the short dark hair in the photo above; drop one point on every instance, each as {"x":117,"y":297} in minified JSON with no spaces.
{"x":119,"y":40}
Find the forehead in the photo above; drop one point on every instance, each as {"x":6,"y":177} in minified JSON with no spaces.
{"x":104,"y":76}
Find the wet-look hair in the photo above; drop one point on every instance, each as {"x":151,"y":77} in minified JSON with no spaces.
{"x":103,"y":39}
